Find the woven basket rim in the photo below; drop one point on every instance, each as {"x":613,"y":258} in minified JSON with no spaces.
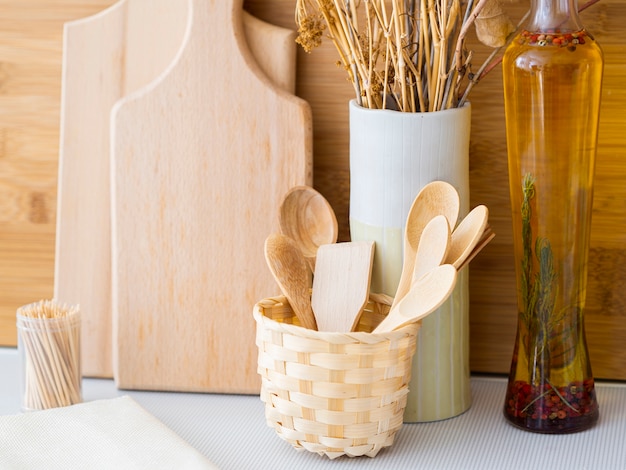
{"x":329,"y":336}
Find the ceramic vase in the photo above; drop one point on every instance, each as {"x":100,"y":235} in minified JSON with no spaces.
{"x":392,"y":156}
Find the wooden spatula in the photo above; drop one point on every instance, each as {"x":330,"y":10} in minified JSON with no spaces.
{"x":341,"y":284}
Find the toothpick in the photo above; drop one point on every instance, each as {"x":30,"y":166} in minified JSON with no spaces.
{"x":49,"y":334}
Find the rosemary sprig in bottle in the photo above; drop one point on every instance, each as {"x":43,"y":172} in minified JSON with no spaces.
{"x":539,"y":286}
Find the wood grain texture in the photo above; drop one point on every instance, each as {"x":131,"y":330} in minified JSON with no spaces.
{"x":30,"y":58}
{"x":341,"y":284}
{"x":31,"y":42}
{"x":105,"y":57}
{"x":492,"y":283}
{"x":201,"y":159}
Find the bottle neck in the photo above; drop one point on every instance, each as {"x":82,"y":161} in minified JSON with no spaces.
{"x":554,"y":15}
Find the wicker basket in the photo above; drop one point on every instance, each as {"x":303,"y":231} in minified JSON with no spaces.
{"x":333,"y":393}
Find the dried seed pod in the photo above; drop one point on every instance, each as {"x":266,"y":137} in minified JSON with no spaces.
{"x":493,"y":25}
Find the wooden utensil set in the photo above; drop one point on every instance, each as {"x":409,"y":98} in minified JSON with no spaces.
{"x":329,"y":286}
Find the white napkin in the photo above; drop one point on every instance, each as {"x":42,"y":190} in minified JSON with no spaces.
{"x":103,"y":434}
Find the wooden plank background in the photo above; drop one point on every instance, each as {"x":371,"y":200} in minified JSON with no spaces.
{"x":30,"y":81}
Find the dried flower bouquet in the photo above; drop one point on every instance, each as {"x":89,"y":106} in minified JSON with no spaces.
{"x":408,"y":55}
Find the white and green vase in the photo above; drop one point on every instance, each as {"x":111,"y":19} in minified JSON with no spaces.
{"x":392,"y":156}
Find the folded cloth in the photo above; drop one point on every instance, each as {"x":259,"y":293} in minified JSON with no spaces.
{"x":104,"y":434}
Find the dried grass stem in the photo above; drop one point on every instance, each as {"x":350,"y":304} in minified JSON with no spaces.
{"x":407,"y":55}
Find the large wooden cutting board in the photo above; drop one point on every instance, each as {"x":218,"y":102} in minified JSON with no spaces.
{"x":106,"y":57}
{"x":200,"y":161}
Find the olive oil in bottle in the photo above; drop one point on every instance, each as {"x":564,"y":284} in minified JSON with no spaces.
{"x":552,"y":75}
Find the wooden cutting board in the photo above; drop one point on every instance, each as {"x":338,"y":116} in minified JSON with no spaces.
{"x":106,"y":57}
{"x":200,"y":161}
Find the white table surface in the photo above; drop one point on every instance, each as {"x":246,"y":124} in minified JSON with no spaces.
{"x":230,"y":430}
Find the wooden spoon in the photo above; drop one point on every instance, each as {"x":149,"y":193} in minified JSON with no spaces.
{"x":425,"y":296}
{"x":292,"y":275}
{"x":436,"y":198}
{"x":307,"y":217}
{"x":433,"y":246}
{"x":467,"y":235}
{"x":341,"y":284}
{"x":486,"y":237}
